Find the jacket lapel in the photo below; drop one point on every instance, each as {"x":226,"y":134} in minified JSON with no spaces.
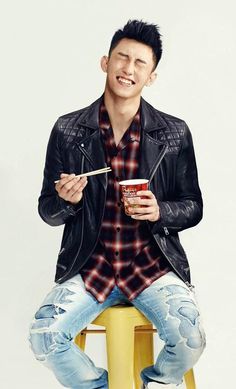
{"x":152,"y":150}
{"x":92,"y":149}
{"x":151,"y":154}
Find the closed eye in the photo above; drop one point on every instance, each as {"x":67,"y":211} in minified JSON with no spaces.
{"x":123,"y":55}
{"x":138,"y":60}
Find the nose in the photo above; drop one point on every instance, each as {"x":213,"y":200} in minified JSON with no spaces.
{"x":128,"y":68}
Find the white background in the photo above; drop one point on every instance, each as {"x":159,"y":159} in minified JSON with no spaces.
{"x":50,"y":66}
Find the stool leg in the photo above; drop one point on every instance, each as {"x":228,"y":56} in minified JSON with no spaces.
{"x":143,"y":353}
{"x":120,"y":353}
{"x":80,"y":340}
{"x":189,"y":380}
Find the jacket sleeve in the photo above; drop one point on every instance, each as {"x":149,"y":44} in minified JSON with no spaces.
{"x":186,"y":209}
{"x":52,"y":208}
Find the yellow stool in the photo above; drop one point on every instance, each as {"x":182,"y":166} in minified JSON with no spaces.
{"x":129,"y":342}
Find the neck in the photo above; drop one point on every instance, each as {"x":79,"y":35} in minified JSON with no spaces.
{"x":121,"y":111}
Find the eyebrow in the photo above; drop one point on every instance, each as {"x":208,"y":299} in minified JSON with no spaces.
{"x":126,"y":55}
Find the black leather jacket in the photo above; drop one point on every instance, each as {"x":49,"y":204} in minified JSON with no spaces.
{"x":167,"y":160}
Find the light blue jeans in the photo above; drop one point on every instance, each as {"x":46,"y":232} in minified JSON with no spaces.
{"x":168,"y":303}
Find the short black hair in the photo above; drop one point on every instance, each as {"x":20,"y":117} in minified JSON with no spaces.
{"x":143,"y":32}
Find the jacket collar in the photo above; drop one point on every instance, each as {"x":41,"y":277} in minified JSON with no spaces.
{"x":150,"y":117}
{"x":152,"y":149}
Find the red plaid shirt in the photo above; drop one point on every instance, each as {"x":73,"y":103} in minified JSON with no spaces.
{"x":126,"y":253}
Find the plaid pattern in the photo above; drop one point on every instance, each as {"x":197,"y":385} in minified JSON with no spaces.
{"x":126,"y":254}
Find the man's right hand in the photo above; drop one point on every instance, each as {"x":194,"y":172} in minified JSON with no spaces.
{"x":70,"y":188}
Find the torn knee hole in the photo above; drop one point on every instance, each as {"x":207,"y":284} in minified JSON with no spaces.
{"x":49,"y":311}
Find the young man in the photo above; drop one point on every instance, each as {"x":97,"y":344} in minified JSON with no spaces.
{"x":107,"y":257}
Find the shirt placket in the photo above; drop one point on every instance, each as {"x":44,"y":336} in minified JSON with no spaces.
{"x":117,"y":169}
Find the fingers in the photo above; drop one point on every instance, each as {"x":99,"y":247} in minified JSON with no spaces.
{"x":70,"y":187}
{"x":143,"y":208}
{"x":149,"y":213}
{"x":146,"y":193}
{"x":139,"y":201}
{"x":135,"y":201}
{"x":143,"y":217}
{"x":78,"y":186}
{"x":64,"y":179}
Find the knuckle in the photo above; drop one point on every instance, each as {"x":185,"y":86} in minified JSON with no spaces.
{"x":60,"y":191}
{"x":77,"y":186}
{"x":67,"y":186}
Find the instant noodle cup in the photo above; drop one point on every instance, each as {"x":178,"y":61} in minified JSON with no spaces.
{"x":129,"y":189}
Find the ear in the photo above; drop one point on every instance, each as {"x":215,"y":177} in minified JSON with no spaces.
{"x":104,"y":63}
{"x":151,"y":79}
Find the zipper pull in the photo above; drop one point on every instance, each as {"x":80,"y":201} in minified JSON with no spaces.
{"x":190,"y":286}
{"x":166,"y":230}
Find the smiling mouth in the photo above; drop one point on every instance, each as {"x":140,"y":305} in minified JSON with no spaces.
{"x":125,"y":81}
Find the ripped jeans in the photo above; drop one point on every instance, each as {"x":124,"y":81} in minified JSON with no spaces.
{"x":168,"y":303}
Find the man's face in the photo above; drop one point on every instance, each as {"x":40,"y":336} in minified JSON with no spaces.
{"x":129,"y":68}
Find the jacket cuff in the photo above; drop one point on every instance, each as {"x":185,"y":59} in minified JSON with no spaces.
{"x":159,"y":227}
{"x":69,"y":208}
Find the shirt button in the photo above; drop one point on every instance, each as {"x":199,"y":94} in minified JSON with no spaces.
{"x":117,"y":252}
{"x":118,"y":229}
{"x":119,"y":204}
{"x":117,"y":178}
{"x":117,"y":276}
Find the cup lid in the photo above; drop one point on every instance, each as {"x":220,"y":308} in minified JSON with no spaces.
{"x":134,"y":182}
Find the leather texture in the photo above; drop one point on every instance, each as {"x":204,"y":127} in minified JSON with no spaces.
{"x":167,"y":159}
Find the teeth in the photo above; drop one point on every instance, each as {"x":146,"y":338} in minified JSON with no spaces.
{"x":128,"y":82}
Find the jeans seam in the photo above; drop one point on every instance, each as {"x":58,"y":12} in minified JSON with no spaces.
{"x":162,"y":326}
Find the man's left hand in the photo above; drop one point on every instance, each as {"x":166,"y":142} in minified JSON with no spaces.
{"x":145,"y":209}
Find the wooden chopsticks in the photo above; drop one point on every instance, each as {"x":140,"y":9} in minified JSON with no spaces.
{"x":92,"y":173}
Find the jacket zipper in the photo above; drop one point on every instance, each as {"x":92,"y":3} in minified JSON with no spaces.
{"x":190,"y":286}
{"x":162,"y":154}
{"x":82,"y":234}
{"x":166,"y":230}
